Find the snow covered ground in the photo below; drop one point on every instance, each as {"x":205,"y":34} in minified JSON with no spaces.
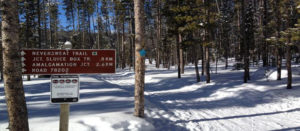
{"x":172,"y":104}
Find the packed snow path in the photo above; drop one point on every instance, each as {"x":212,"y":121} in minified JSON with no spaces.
{"x":224,"y":104}
{"x":106,"y":102}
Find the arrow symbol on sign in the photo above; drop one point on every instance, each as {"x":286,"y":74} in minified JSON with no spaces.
{"x":23,"y":53}
{"x":23,"y":59}
{"x":23,"y":70}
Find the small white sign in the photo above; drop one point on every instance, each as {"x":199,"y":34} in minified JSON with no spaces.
{"x":64,"y":88}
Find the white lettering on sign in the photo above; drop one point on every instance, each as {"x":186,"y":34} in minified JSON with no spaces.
{"x":105,"y":64}
{"x":68,"y":61}
{"x":55,"y":58}
{"x":37,"y":59}
{"x":85,"y":64}
{"x":74,"y":58}
{"x":86,"y":58}
{"x":106,"y":59}
{"x":39,"y":70}
{"x":50,"y":53}
{"x":54,"y":64}
{"x":80,"y":53}
{"x":59,"y":70}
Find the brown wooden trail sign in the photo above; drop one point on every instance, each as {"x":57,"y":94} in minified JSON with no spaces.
{"x":36,"y":61}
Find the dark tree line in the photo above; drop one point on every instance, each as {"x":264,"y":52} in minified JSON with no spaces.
{"x":178,"y":32}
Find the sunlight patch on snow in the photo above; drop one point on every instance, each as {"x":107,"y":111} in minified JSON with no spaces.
{"x":180,"y":90}
{"x":33,"y":82}
{"x":273,"y":75}
{"x":88,"y":79}
{"x":105,"y":98}
{"x":113,"y":122}
{"x":29,"y":94}
{"x":99,"y":90}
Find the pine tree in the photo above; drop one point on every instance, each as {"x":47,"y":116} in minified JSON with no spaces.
{"x":265,"y":22}
{"x":210,"y":24}
{"x":248,"y":38}
{"x":120,"y":13}
{"x":158,"y":32}
{"x":54,"y":22}
{"x":290,"y":37}
{"x":70,"y":12}
{"x":140,"y":60}
{"x":188,"y":17}
{"x":226,"y":28}
{"x":14,"y":91}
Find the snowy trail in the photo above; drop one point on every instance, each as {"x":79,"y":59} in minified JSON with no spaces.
{"x":171,"y":104}
{"x":225,"y":104}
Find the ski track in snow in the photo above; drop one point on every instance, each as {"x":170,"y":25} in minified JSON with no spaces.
{"x":173,"y":104}
{"x":225,"y":104}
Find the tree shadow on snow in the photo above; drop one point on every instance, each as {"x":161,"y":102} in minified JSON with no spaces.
{"x":288,"y":129}
{"x":38,"y":100}
{"x":241,"y":116}
{"x":196,"y":99}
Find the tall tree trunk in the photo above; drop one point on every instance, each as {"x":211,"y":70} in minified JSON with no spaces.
{"x":237,"y":49}
{"x":179,"y":40}
{"x":181,"y":59}
{"x":140,"y":60}
{"x":208,"y":39}
{"x":153,"y":45}
{"x":132,"y":37}
{"x":265,"y":46}
{"x":242,"y":30}
{"x":226,"y":58}
{"x":45,"y":23}
{"x":99,"y":22}
{"x":207,"y":65}
{"x":131,"y":44}
{"x":79,"y":25}
{"x":55,"y":34}
{"x":94,"y":38}
{"x":14,"y":92}
{"x":289,"y":66}
{"x":90,"y":36}
{"x":119,"y":53}
{"x":28,"y":29}
{"x":123,"y":45}
{"x":279,"y":49}
{"x":279,"y":63}
{"x":1,"y":54}
{"x":202,"y":60}
{"x":248,"y":36}
{"x":39,"y":24}
{"x":51,"y":26}
{"x":73,"y":18}
{"x":196,"y":63}
{"x":158,"y":35}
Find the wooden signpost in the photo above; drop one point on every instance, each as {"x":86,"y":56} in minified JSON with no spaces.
{"x":64,"y":66}
{"x":68,"y":61}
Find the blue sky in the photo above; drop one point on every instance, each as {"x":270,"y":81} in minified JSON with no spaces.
{"x":62,"y":17}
